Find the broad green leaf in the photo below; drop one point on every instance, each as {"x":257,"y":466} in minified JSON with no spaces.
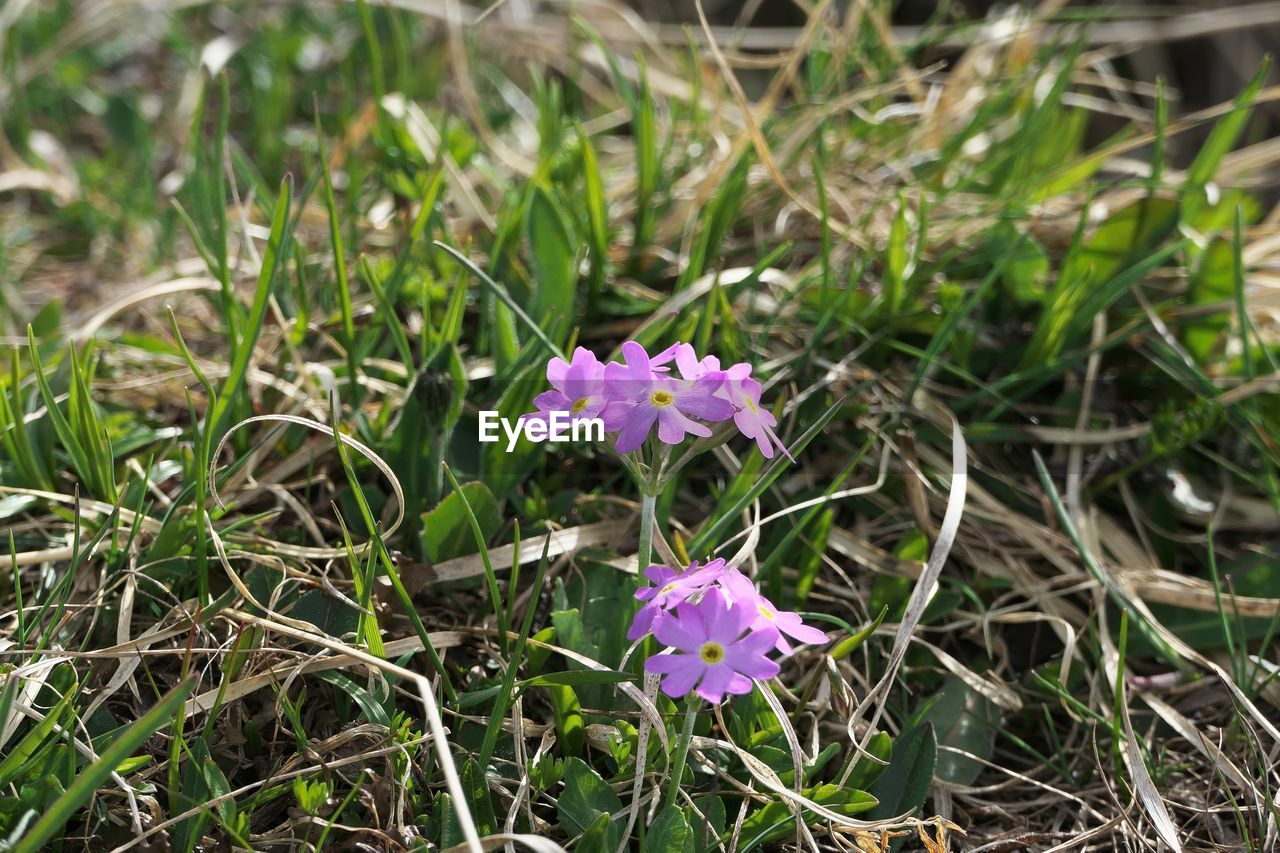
{"x":967,"y":720}
{"x":602,"y":836}
{"x":1128,"y":234}
{"x":1212,"y":284}
{"x":554,"y":266}
{"x":1097,"y":272}
{"x":1026,"y":268}
{"x":369,"y":704}
{"x":446,"y":530}
{"x":670,"y":833}
{"x":478,"y":798}
{"x":566,"y":710}
{"x":904,"y":784}
{"x":585,"y":797}
{"x":867,"y":770}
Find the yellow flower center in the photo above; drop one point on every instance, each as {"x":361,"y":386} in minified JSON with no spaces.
{"x":660,"y":398}
{"x":750,"y":405}
{"x":579,"y":404}
{"x":766,"y":612}
{"x":666,"y":589}
{"x":711,"y":653}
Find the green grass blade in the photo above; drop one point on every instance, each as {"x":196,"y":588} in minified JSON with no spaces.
{"x":277,"y":247}
{"x":92,"y":777}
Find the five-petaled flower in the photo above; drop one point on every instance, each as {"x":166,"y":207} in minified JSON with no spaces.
{"x":752,"y":419}
{"x":642,"y":396}
{"x":787,"y":623}
{"x":670,"y":588}
{"x":713,"y":650}
{"x":577,"y":387}
{"x":719,"y":627}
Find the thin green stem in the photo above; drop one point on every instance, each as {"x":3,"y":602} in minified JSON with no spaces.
{"x":644,"y":553}
{"x":682,"y":748}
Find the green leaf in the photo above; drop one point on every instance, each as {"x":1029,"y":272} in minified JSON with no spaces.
{"x":897,"y":260}
{"x":597,"y":219}
{"x":965,"y":719}
{"x":1127,"y":235}
{"x":18,"y":760}
{"x":601,"y":837}
{"x":724,"y":514}
{"x":585,"y":798}
{"x":718,"y":218}
{"x":1212,"y":283}
{"x":554,"y":265}
{"x":478,"y":798}
{"x":903,"y":786}
{"x":670,"y":833}
{"x":446,"y":530}
{"x":570,"y":633}
{"x":202,"y":781}
{"x":1225,"y":133}
{"x":775,"y":821}
{"x":578,"y":677}
{"x":1127,"y":246}
{"x":369,"y":705}
{"x":566,"y":710}
{"x":1026,"y":267}
{"x":242,"y":352}
{"x":867,"y":771}
{"x":76,"y":434}
{"x":853,"y":642}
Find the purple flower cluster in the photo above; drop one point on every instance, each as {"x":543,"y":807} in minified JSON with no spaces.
{"x":718,"y":628}
{"x":631,"y":396}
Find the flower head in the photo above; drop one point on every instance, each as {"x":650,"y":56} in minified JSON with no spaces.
{"x":752,"y":419}
{"x":577,"y":387}
{"x":670,"y":587}
{"x":640,"y":396}
{"x":715,"y":649}
{"x":741,"y":590}
{"x":674,"y":389}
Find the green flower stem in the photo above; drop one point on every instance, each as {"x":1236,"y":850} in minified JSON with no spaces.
{"x":682,"y":747}
{"x":644,"y":553}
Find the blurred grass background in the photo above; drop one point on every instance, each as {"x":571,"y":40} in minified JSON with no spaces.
{"x":261,"y":265}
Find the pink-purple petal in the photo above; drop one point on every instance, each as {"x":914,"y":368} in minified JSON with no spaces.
{"x":685,"y":630}
{"x":556,"y":369}
{"x":635,"y":430}
{"x":682,"y":673}
{"x":715,"y":680}
{"x":740,"y":685}
{"x":791,"y":624}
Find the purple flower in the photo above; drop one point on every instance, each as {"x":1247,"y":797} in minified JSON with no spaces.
{"x":578,"y":387}
{"x":639,"y":397}
{"x":752,"y":419}
{"x":714,"y":650}
{"x":670,"y":588}
{"x":785,"y":622}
